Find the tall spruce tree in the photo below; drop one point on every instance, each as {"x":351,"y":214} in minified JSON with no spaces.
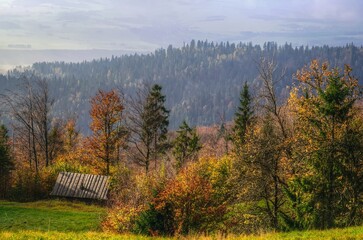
{"x":186,"y":144}
{"x":148,"y":125}
{"x":327,"y":126}
{"x":243,"y":116}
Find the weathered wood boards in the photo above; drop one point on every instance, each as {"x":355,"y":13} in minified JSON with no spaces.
{"x":78,"y":185}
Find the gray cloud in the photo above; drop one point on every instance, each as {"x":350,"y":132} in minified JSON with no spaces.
{"x":143,"y":25}
{"x":9,"y":25}
{"x":21,"y":46}
{"x":214,"y":18}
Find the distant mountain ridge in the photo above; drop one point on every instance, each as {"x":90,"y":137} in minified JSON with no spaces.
{"x":201,"y":80}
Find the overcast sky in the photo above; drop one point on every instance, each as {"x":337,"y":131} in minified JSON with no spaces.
{"x":145,"y":25}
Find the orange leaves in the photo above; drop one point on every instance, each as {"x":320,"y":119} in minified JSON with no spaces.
{"x":71,"y":135}
{"x":314,"y":74}
{"x":106,"y":113}
{"x":120,"y":218}
{"x":194,"y":196}
{"x":320,"y":94}
{"x":187,"y":187}
{"x":317,"y":76}
{"x":105,"y":110}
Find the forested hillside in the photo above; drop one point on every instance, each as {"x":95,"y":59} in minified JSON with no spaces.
{"x":201,"y":80}
{"x":291,"y":159}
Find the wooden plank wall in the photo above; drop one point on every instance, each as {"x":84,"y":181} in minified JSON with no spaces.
{"x":78,"y":185}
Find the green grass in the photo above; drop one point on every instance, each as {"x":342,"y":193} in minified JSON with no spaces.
{"x":67,"y":236}
{"x":352,"y":233}
{"x":66,"y":220}
{"x":50,"y":216}
{"x":54,"y":220}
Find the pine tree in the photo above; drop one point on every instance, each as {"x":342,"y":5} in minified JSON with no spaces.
{"x":243,"y":116}
{"x":327,"y":127}
{"x":186,"y":144}
{"x":148,"y":124}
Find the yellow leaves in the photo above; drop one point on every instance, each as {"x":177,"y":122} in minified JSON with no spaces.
{"x":324,"y":66}
{"x":218,"y":170}
{"x":317,"y":76}
{"x":294,"y":101}
{"x":78,"y":159}
{"x":120,"y":218}
{"x":306,"y":99}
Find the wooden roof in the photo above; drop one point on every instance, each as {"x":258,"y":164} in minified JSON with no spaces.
{"x":78,"y":185}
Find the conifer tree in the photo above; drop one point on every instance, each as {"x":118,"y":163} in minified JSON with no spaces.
{"x":148,"y":124}
{"x":327,"y":127}
{"x":186,"y":144}
{"x":243,"y":115}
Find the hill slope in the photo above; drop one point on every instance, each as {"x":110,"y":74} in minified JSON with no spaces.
{"x":201,"y":80}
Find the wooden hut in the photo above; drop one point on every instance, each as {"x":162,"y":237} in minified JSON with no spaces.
{"x":81,"y":186}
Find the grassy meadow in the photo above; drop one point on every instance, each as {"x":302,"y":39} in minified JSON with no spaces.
{"x":69,"y":220}
{"x":50,"y":216}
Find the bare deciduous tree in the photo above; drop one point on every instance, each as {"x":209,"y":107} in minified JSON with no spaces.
{"x":30,"y":107}
{"x":273,"y":139}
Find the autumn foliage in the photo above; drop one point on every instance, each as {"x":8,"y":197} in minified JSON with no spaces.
{"x":106,"y":114}
{"x":283,"y":164}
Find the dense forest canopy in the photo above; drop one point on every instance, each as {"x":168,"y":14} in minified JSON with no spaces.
{"x":201,"y":80}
